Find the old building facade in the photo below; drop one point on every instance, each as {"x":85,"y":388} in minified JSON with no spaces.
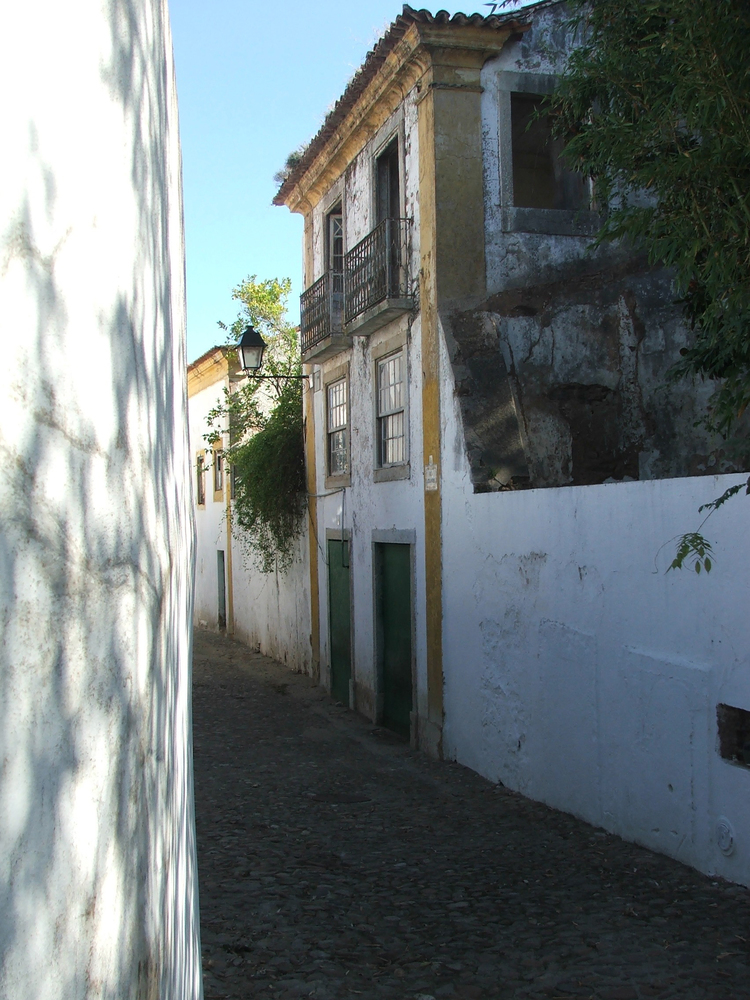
{"x":494,"y":462}
{"x":268,"y":611}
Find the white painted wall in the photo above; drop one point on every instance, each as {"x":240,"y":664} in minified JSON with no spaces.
{"x":98,"y":894}
{"x":271,"y":611}
{"x":210,"y":519}
{"x":582,"y":674}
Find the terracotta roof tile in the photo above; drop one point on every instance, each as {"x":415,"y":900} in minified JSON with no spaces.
{"x":374,"y":60}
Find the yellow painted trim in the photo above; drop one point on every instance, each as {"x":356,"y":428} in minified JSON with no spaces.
{"x":430,"y":409}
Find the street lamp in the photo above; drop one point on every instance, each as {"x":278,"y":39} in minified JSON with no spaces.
{"x":250,"y":354}
{"x":250,"y":350}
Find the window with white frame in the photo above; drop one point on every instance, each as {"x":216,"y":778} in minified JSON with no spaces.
{"x":218,"y":475}
{"x":337,"y":420}
{"x":200,"y":469}
{"x":391,"y":410}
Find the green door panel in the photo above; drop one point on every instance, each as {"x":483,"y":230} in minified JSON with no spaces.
{"x":395,"y":634}
{"x":339,"y":617}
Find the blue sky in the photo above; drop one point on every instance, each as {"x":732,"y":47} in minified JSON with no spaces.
{"x":255,"y":80}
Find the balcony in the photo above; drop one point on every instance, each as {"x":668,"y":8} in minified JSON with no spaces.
{"x":322,"y":318}
{"x":376,"y":279}
{"x":371,"y":291}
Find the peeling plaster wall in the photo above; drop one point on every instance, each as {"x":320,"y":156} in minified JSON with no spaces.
{"x":271,"y":611}
{"x":98,"y":887}
{"x":577,"y":671}
{"x":562,"y":370}
{"x":580,"y":673}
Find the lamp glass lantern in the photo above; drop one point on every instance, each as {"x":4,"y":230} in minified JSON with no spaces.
{"x":250,"y":350}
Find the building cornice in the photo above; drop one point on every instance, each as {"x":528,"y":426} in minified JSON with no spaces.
{"x":208,"y":369}
{"x":410,"y":59}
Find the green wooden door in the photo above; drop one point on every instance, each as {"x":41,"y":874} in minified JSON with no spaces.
{"x":393,"y":566}
{"x":339,"y":618}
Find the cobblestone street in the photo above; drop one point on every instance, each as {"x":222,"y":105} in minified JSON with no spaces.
{"x":336,"y":862}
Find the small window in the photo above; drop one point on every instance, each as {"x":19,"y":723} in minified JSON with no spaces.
{"x":218,"y":475}
{"x":391,"y":411}
{"x":337,"y":419}
{"x":734,"y":734}
{"x":200,"y":482}
{"x":232,"y":481}
{"x":540,"y":177}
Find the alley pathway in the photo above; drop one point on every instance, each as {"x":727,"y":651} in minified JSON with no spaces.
{"x":335,"y":862}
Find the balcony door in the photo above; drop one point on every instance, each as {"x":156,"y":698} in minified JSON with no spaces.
{"x":388,"y":207}
{"x":335,"y":264}
{"x":388,"y":186}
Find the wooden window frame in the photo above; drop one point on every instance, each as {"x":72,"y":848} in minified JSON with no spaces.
{"x":338,"y":374}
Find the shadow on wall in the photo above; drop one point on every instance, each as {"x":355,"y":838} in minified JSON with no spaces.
{"x":99,"y":896}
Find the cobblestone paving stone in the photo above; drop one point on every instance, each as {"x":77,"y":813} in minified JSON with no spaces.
{"x":336,"y":862}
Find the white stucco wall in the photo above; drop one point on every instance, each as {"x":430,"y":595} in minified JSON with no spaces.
{"x":272,"y":610}
{"x":268,"y":611}
{"x":582,"y":674}
{"x":210,"y":518}
{"x":98,"y":893}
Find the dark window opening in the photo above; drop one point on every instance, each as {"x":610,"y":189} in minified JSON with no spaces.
{"x":540,"y":177}
{"x":734,"y":734}
{"x":388,"y":191}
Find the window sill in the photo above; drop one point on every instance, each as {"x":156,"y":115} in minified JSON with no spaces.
{"x":392,"y":473}
{"x":218,"y":496}
{"x":337,"y":482}
{"x":551,"y":221}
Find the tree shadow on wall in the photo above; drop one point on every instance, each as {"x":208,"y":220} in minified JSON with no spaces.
{"x":100,"y":893}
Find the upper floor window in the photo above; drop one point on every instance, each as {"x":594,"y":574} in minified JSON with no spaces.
{"x":391,"y":410}
{"x":337,"y":420}
{"x":541,"y":178}
{"x":218,"y":475}
{"x":387,"y":184}
{"x":200,"y":482}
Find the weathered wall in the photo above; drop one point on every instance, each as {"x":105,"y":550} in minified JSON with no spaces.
{"x":579,"y":672}
{"x":272,"y":610}
{"x":562,"y":369}
{"x":98,"y":893}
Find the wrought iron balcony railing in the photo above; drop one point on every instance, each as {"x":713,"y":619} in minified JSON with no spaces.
{"x":376,"y":268}
{"x":322,"y":310}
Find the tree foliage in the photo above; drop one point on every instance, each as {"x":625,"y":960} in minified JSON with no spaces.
{"x":655,"y":107}
{"x":264,"y":417}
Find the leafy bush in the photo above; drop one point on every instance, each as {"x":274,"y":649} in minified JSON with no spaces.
{"x":270,"y":491}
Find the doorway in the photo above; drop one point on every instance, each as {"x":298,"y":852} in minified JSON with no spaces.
{"x":222,"y":588}
{"x":393,"y":609}
{"x":339,"y":619}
